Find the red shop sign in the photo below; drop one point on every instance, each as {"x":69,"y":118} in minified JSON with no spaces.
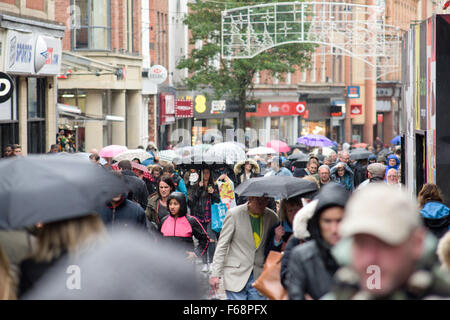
{"x":167,"y":105}
{"x":356,"y":109}
{"x":184,"y":109}
{"x":279,"y":109}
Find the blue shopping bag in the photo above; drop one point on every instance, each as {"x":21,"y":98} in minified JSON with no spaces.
{"x":218,"y":213}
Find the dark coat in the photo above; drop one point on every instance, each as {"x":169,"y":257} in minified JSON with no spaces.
{"x":292,"y":243}
{"x":199,"y":199}
{"x":31,"y":272}
{"x":307,"y":273}
{"x":360,"y":173}
{"x":126,"y":213}
{"x":271,"y":240}
{"x":138,"y":191}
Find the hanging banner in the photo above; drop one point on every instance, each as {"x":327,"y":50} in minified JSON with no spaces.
{"x":167,"y":108}
{"x":184,"y":109}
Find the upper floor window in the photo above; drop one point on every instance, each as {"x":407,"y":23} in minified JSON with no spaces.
{"x":93,"y":32}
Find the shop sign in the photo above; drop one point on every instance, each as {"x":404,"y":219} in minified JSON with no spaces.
{"x":380,"y":118}
{"x":52,"y":56}
{"x":20,"y":52}
{"x":157,"y":74}
{"x":356,"y":109}
{"x":184,"y":108}
{"x":6,"y":87}
{"x":336,"y":111}
{"x":353,"y":92}
{"x":167,"y":107}
{"x":218,"y":106}
{"x":29,"y":53}
{"x":280,"y":109}
{"x":200,"y":104}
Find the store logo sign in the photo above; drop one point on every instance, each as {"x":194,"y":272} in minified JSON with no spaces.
{"x":353,"y":92}
{"x":157,"y":74}
{"x":356,"y":109}
{"x":218,"y":106}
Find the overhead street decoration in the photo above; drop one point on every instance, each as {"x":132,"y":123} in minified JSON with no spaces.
{"x":343,"y":29}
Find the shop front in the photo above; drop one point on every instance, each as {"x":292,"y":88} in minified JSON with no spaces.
{"x":214,"y":120}
{"x":277,"y":121}
{"x":326,"y":111}
{"x":30,"y":60}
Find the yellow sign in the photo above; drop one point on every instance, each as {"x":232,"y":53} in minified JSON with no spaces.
{"x":200,"y":104}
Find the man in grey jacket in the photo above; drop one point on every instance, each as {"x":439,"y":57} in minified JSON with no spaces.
{"x":239,"y":256}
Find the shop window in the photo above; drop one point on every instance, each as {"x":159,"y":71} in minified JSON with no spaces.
{"x":9,"y":134}
{"x":8,"y":109}
{"x":314,"y":127}
{"x":94,"y":29}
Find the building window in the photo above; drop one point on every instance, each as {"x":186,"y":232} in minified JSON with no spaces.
{"x":94,"y":29}
{"x":36,"y":114}
{"x":130,"y":26}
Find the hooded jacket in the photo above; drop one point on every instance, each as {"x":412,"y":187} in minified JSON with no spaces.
{"x":388,"y":167}
{"x":347,"y":181}
{"x":182,"y":228}
{"x":436,"y":217}
{"x":312,"y":266}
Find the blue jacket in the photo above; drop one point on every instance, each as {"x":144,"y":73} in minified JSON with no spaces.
{"x":388,"y":167}
{"x":436,"y":217}
{"x":283,"y":172}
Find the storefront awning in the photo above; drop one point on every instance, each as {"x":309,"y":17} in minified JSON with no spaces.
{"x":75,"y":113}
{"x":68,"y":109}
{"x":77,"y":64}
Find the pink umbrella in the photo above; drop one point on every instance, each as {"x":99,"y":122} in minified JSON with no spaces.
{"x":134,"y":166}
{"x":278,"y":146}
{"x":112,"y":151}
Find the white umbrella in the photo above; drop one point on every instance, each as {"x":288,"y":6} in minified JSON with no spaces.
{"x":131,"y":154}
{"x":326,"y":151}
{"x":229,"y":152}
{"x":168,"y":155}
{"x":260,"y":151}
{"x":82,"y":155}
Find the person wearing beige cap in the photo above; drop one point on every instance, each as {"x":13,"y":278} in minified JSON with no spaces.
{"x":375,"y":173}
{"x":391,"y":253}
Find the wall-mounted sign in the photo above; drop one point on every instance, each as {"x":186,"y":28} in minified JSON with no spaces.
{"x":6,"y":87}
{"x":353,"y":92}
{"x":336,"y":111}
{"x":30,"y":53}
{"x":184,"y":108}
{"x":279,"y":109}
{"x":200,"y":104}
{"x":167,"y":108}
{"x":20,"y":52}
{"x":356,"y":109}
{"x":157,"y":74}
{"x":218,"y":106}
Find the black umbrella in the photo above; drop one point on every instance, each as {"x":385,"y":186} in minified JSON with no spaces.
{"x":46,"y":189}
{"x":299,"y":156}
{"x":201,"y":162}
{"x":125,"y":266}
{"x":276,"y":187}
{"x":359,"y":154}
